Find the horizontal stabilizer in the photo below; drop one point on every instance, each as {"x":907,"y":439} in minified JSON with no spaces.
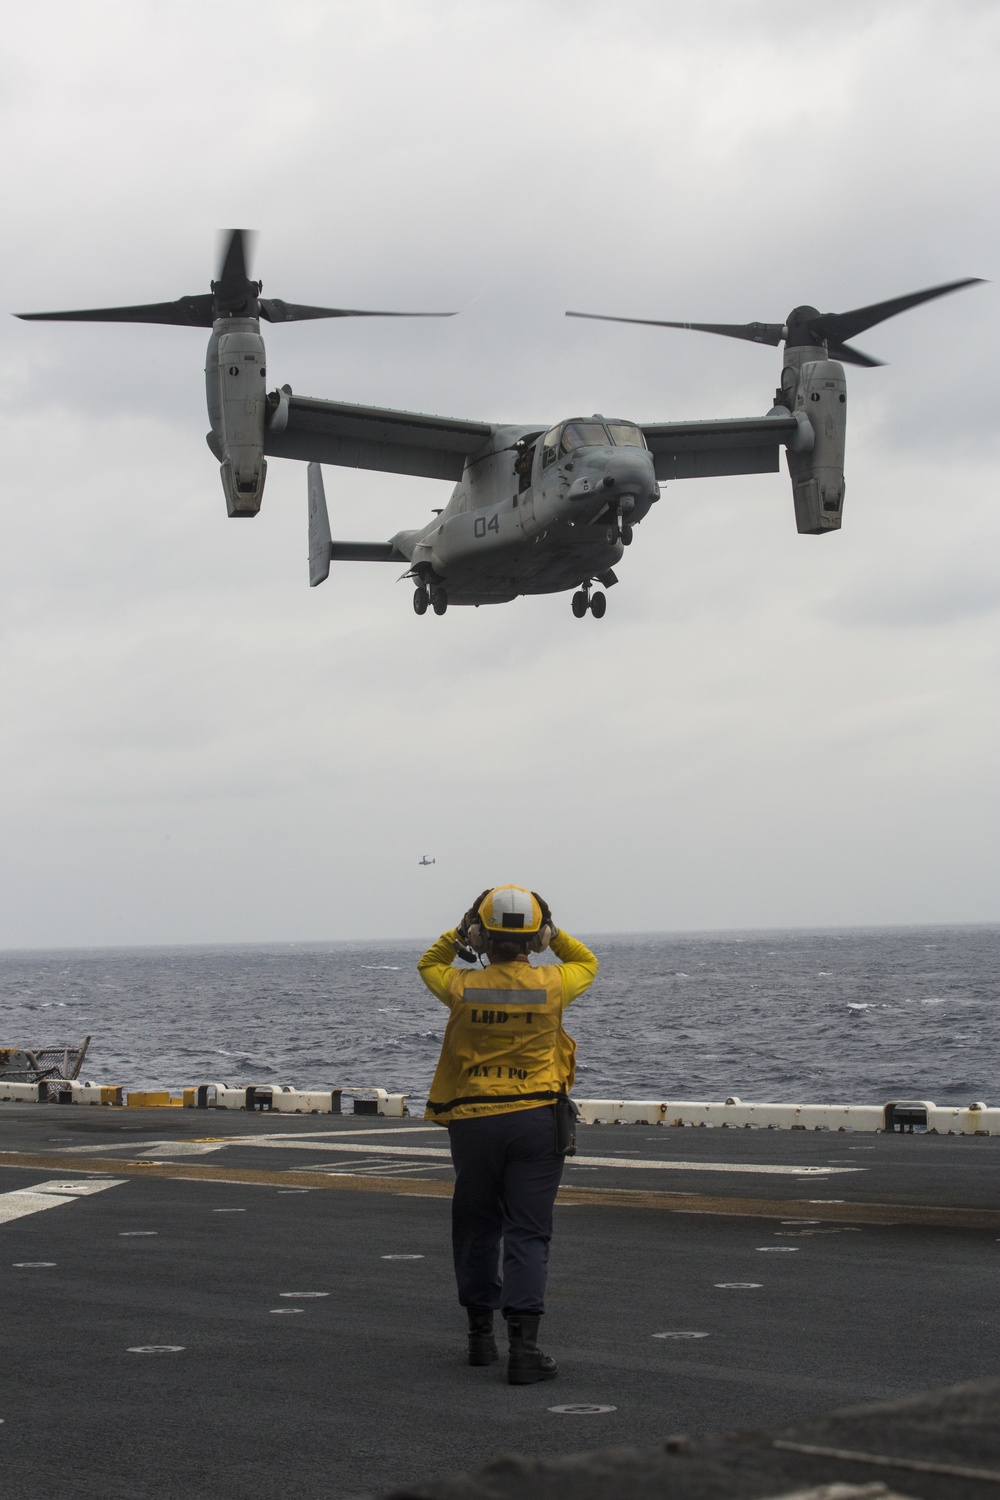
{"x":365,"y":551}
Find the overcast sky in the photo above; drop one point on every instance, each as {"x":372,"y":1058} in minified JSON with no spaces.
{"x":765,"y":729}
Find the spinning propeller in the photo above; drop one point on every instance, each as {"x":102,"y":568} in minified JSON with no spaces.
{"x":234,"y":295}
{"x":807,"y":325}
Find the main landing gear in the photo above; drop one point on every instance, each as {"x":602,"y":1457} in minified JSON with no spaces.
{"x":583,"y":600}
{"x":435,"y":597}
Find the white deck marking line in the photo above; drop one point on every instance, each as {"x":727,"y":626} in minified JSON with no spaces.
{"x":206,"y":1147}
{"x":283,"y":1142}
{"x":631,"y":1162}
{"x":382,"y":1169}
{"x":166,"y":1149}
{"x":707,"y":1166}
{"x":135,"y":1147}
{"x":24,"y":1201}
{"x":372,"y":1164}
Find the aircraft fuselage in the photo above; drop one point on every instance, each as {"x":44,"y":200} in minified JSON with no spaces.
{"x":536,"y":513}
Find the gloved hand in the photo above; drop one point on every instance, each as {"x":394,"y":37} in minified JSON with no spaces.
{"x":472,"y":915}
{"x":548,"y":930}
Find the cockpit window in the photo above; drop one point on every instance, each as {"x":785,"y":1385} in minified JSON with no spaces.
{"x":626,"y":435}
{"x":582,"y":435}
{"x":550,"y":447}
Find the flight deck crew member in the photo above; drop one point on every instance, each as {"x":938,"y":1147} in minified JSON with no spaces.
{"x":504,"y":1074}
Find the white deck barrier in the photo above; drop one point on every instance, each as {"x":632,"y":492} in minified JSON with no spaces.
{"x":282,"y":1099}
{"x":285,"y":1100}
{"x":731,"y":1113}
{"x":72,"y":1091}
{"x":20,"y":1093}
{"x":60,"y":1091}
{"x":898,"y":1114}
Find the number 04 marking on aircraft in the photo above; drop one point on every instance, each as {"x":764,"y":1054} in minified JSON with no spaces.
{"x":483,"y":526}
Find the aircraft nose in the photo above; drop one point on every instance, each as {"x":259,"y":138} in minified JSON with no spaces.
{"x":611,"y":472}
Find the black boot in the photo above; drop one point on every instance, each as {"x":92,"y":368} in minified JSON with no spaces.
{"x":482,"y":1345}
{"x":526,"y":1363}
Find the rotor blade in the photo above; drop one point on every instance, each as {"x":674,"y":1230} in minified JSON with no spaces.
{"x":234,"y":260}
{"x":277,"y":311}
{"x":190,"y":312}
{"x":847,"y":325}
{"x":848,"y":356}
{"x":755,"y":333}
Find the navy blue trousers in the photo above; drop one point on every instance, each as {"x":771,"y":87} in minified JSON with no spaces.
{"x":507,"y":1175}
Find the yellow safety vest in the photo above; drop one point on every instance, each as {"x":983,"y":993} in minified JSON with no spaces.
{"x":504,"y":1045}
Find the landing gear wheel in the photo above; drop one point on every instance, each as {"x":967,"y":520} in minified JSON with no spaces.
{"x":439,"y":601}
{"x":626,"y":534}
{"x":420,"y":600}
{"x":598,"y":604}
{"x":580,"y":604}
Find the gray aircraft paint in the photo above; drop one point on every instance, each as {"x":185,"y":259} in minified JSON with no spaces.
{"x":506,"y":531}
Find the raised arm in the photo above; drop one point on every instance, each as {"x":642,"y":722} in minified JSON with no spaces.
{"x":579,"y":966}
{"x":436,"y":969}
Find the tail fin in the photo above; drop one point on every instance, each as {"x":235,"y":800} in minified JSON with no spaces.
{"x":319,"y":528}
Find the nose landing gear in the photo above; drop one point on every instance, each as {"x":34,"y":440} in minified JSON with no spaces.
{"x":622,"y":530}
{"x":583,"y":601}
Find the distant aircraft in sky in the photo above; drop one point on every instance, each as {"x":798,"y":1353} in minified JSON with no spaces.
{"x":425,"y":861}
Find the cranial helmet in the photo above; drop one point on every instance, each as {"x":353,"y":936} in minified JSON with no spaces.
{"x":511,"y":912}
{"x":510,"y":908}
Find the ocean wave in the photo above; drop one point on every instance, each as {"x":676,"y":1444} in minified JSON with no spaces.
{"x":751,"y":1017}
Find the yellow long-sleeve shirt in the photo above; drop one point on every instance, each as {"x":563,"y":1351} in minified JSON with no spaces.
{"x":504,"y":1046}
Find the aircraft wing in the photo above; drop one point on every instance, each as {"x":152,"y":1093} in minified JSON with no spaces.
{"x":368,"y":437}
{"x":733,"y":445}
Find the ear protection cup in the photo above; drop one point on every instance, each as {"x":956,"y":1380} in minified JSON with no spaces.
{"x":470,"y":929}
{"x":476,"y":932}
{"x":542,"y":938}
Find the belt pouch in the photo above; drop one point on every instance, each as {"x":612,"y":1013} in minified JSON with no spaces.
{"x":567,"y":1115}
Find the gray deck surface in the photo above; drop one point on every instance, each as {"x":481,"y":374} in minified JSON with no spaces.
{"x":365,"y":1388}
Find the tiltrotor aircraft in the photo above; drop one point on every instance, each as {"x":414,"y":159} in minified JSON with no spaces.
{"x":535,"y":509}
{"x":425,"y":861}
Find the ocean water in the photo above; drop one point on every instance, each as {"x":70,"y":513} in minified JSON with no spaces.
{"x":848,"y":1016}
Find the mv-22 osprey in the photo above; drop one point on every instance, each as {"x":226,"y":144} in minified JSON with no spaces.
{"x":535,"y":510}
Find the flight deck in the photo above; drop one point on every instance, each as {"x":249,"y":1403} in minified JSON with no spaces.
{"x":212,"y":1302}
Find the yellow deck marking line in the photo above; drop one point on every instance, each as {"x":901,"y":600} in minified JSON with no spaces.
{"x":920,"y":1215}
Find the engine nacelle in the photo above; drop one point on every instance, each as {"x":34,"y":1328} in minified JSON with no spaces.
{"x":817,"y":469}
{"x":235,"y":375}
